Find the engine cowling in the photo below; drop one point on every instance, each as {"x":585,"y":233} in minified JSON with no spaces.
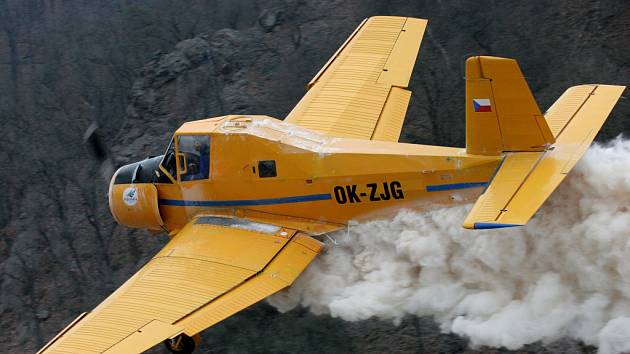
{"x":134,"y":204}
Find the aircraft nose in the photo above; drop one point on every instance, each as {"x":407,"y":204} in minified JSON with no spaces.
{"x":133,"y":201}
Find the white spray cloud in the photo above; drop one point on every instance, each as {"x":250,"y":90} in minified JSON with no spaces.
{"x":565,"y":274}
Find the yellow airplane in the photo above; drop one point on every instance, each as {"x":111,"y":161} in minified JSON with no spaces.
{"x":244,"y":198}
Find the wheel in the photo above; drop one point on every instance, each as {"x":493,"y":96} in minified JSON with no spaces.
{"x":182,"y":344}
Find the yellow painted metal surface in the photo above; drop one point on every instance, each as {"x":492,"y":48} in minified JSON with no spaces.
{"x":199,"y":278}
{"x":348,"y":96}
{"x":483,"y":135}
{"x":70,"y":325}
{"x":135,"y":205}
{"x":332,"y":59}
{"x":280,"y":273}
{"x":399,"y":66}
{"x":392,"y":117}
{"x":200,"y":263}
{"x":513,"y":114}
{"x":566,"y":106}
{"x":315,"y":172}
{"x":145,"y":337}
{"x":570,"y":146}
{"x":166,"y":289}
{"x":526,"y":180}
{"x":511,"y":174}
{"x":226,"y":245}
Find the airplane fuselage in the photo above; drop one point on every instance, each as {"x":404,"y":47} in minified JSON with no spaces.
{"x":264,"y":169}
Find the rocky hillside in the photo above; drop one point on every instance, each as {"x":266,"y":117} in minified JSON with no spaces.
{"x":140,"y":68}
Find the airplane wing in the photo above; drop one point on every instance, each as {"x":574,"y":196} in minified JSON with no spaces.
{"x":361,"y":92}
{"x":213,"y":268}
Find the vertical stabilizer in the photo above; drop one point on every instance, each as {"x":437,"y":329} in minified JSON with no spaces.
{"x":501,"y":113}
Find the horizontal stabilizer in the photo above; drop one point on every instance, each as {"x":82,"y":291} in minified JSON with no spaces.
{"x":524,"y":180}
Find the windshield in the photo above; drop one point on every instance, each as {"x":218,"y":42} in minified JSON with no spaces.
{"x":194,"y":157}
{"x":168,"y":163}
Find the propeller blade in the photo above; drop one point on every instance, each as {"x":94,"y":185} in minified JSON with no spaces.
{"x":94,"y":143}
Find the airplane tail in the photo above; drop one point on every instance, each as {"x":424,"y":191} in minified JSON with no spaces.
{"x":501,"y":112}
{"x":502,"y":118}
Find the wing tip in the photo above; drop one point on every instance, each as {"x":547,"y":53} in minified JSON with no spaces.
{"x":488,"y":225}
{"x":384,"y":17}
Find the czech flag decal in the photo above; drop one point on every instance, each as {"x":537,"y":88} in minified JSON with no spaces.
{"x":482,"y":105}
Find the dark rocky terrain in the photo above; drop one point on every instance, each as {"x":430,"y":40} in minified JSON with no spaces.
{"x":140,"y":68}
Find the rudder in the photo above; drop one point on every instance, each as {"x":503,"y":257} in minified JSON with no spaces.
{"x":501,"y":112}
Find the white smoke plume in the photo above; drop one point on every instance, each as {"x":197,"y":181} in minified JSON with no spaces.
{"x":565,"y":274}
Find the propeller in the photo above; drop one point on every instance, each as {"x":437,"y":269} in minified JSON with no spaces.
{"x":94,"y":142}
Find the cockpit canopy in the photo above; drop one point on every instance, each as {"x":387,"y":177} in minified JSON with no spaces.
{"x":187,"y":159}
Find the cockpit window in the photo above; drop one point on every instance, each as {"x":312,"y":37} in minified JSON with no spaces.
{"x":194,"y":157}
{"x":169,"y":164}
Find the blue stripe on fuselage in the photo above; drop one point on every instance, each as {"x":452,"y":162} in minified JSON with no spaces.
{"x":446,"y":187}
{"x":224,"y":203}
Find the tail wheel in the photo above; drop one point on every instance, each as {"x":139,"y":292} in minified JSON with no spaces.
{"x":182,"y":344}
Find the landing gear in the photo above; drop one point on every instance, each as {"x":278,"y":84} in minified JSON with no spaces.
{"x":182,"y":344}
